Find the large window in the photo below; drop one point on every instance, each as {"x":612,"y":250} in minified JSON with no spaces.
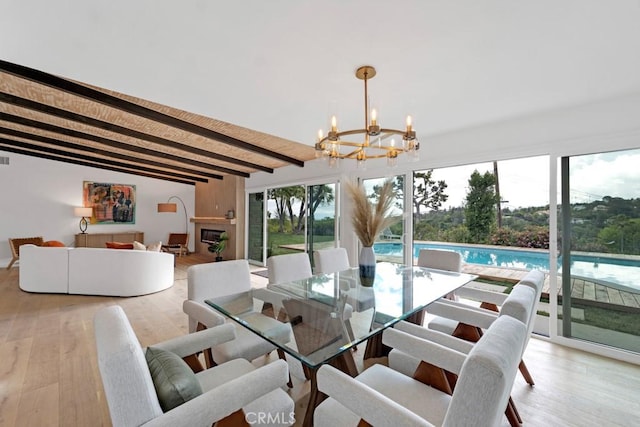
{"x":321,"y":217}
{"x":503,"y":203}
{"x":495,"y":214}
{"x":599,"y":291}
{"x":300,"y":218}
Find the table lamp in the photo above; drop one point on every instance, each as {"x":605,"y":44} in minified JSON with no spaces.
{"x":83,"y":213}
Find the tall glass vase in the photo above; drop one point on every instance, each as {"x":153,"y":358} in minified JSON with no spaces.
{"x":367,"y":263}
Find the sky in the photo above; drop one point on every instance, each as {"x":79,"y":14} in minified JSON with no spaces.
{"x":615,"y":174}
{"x":525,"y":182}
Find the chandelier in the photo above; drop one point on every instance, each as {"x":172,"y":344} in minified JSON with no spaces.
{"x":374,"y":141}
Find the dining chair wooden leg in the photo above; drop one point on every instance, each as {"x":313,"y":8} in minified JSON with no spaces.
{"x":315,"y":398}
{"x":525,"y":373}
{"x":283,"y":357}
{"x":512,"y":414}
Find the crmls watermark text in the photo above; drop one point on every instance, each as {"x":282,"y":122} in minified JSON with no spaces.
{"x":257,"y":418}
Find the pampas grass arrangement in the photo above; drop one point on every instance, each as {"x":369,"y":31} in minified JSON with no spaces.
{"x":370,"y":219}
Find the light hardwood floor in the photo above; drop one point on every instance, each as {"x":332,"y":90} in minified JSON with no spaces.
{"x":49,"y":375}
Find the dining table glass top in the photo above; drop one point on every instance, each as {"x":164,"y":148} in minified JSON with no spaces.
{"x":328,"y":314}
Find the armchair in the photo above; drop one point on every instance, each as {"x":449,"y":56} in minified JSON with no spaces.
{"x":218,"y":279}
{"x":290,"y":267}
{"x":441,"y":260}
{"x":471,"y":321}
{"x":331,"y":260}
{"x":15,"y":244}
{"x":457,"y":318}
{"x":178,"y":242}
{"x":381,"y":396}
{"x":235,"y":389}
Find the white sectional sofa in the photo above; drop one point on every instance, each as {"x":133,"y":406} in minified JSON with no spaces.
{"x":94,"y":271}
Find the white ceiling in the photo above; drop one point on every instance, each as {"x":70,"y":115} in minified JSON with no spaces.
{"x":284,"y":66}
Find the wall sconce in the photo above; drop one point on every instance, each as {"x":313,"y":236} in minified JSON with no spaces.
{"x":173,"y":208}
{"x":83,"y":213}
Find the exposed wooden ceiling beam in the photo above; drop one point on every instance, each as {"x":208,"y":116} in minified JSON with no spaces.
{"x":116,"y":144}
{"x":191,"y":174}
{"x":68,"y":115}
{"x":94,"y":95}
{"x":13,"y":149}
{"x":98,"y":160}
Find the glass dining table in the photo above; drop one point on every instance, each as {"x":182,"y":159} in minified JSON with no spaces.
{"x":330,"y":314}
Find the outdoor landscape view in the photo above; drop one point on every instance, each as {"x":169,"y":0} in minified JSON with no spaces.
{"x":505,"y":205}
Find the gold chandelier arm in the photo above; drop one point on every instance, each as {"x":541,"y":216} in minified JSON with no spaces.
{"x":373,"y":137}
{"x":352,"y":132}
{"x":390,"y":132}
{"x":353,"y":154}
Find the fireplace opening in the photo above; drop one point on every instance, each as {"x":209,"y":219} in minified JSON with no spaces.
{"x":210,"y":236}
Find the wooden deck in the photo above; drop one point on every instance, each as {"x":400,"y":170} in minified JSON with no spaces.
{"x":587,"y":291}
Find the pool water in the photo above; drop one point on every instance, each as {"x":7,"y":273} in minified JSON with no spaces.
{"x":619,"y":273}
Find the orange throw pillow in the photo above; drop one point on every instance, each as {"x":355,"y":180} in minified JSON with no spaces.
{"x":53,"y":244}
{"x":119,"y":245}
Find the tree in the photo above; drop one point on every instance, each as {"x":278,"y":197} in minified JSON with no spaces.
{"x":276,"y":194}
{"x":295,"y":193}
{"x":318,"y":195}
{"x":284,"y":198}
{"x":622,"y":235}
{"x":480,"y":209}
{"x":427,"y":192}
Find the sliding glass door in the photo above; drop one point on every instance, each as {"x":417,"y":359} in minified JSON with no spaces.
{"x":599,"y":290}
{"x":286,"y":225}
{"x":298,"y":218}
{"x":255,"y":228}
{"x":321,"y":216}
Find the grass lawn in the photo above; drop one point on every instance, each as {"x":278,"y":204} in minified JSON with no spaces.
{"x":276,"y":240}
{"x":595,"y":316}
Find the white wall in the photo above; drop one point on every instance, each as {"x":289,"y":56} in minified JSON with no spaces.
{"x":38,"y":197}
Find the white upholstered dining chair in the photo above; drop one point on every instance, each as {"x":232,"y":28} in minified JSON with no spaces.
{"x":455,"y":318}
{"x":291,"y":267}
{"x":331,"y":260}
{"x":383,"y":397}
{"x":218,"y":279}
{"x":158,"y":388}
{"x":288,"y":267}
{"x":469,"y":324}
{"x":440,"y":259}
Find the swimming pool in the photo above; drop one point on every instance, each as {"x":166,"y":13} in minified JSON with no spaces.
{"x":619,"y":273}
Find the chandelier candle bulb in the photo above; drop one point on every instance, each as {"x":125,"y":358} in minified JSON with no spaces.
{"x":341,"y":141}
